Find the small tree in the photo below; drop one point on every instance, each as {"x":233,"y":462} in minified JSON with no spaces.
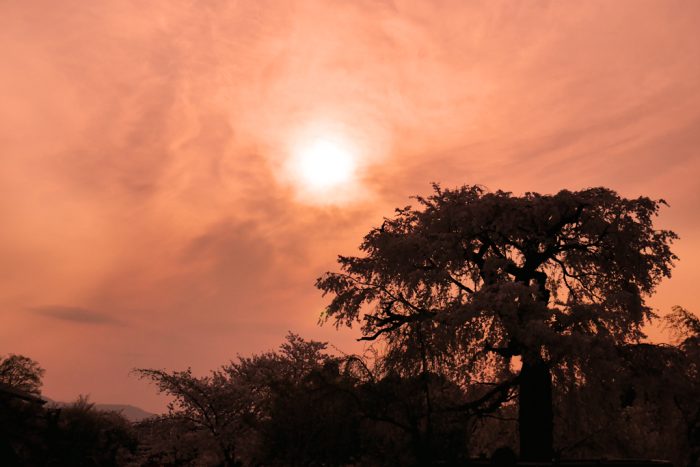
{"x":81,"y":435}
{"x":686,"y":327}
{"x":492,"y":276}
{"x":20,"y":408}
{"x":21,"y":373}
{"x":273,"y":407}
{"x":214,"y":403}
{"x":305,"y":413}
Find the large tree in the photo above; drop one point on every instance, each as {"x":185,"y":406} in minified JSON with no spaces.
{"x":496,"y":278}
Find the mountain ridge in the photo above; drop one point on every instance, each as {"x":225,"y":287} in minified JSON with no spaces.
{"x":130,"y":412}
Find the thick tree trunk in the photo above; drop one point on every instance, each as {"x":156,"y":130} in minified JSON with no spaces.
{"x":535,"y":417}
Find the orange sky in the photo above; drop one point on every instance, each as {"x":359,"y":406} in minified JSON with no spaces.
{"x":147,"y":218}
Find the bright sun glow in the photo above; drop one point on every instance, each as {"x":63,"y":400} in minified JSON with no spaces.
{"x":325,"y":164}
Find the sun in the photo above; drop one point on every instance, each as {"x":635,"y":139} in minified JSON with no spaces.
{"x":324,"y":164}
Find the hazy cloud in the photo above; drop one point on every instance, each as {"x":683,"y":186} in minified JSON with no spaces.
{"x":74,"y":314}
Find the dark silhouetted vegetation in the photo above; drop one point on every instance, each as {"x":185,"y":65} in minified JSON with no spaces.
{"x":34,"y":432}
{"x":491,"y":277}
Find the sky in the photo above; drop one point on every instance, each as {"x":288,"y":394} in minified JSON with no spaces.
{"x":152,"y":213}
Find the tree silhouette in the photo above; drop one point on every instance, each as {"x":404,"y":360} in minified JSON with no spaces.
{"x":492,"y":276}
{"x":686,"y":327}
{"x":81,"y":435}
{"x":20,"y":408}
{"x":273,"y":408}
{"x":21,"y":373}
{"x":213,"y":403}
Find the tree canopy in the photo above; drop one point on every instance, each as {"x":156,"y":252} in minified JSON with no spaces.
{"x":272,"y":408}
{"x":490,"y":276}
{"x":21,"y":373}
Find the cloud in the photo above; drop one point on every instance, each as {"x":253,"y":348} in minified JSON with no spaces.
{"x":74,"y":314}
{"x":142,"y":145}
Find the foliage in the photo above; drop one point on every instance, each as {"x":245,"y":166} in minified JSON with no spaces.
{"x":22,"y":373}
{"x":300,"y":405}
{"x":76,"y":435}
{"x":686,"y":378}
{"x":213,"y":403}
{"x":487,"y":277}
{"x":172,"y":441}
{"x":273,"y":407}
{"x":686,"y":327}
{"x":80,"y":435}
{"x":20,"y":419}
{"x":307,"y":416}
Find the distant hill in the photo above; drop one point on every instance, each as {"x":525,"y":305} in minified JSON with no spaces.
{"x":130,"y":412}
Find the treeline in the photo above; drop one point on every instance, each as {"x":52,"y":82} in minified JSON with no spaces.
{"x":33,"y":433}
{"x":301,"y":405}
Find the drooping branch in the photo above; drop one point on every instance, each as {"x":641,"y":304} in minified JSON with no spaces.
{"x":394,"y":322}
{"x":491,"y":400}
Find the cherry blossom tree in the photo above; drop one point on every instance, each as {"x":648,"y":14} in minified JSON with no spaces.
{"x":500,"y":281}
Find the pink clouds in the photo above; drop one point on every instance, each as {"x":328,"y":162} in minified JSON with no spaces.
{"x":140,"y":146}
